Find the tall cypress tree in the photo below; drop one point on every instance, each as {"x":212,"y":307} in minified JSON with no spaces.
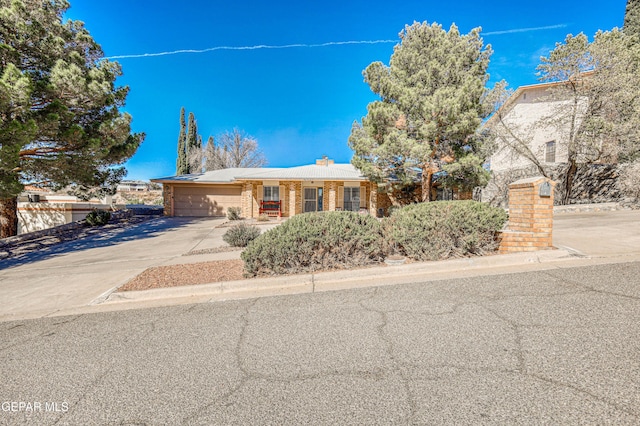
{"x":193,"y":144}
{"x":632,"y":18}
{"x":182,"y":163}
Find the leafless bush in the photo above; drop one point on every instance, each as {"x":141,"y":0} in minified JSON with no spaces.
{"x":629,"y":181}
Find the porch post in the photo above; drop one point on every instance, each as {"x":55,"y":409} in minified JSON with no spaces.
{"x":246,"y":200}
{"x":332,"y":197}
{"x":373,"y":199}
{"x":292,"y":199}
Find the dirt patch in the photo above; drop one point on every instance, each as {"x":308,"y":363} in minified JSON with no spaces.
{"x":187,"y":274}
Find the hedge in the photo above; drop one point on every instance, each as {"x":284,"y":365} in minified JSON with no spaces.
{"x":444,"y":229}
{"x":316,"y":241}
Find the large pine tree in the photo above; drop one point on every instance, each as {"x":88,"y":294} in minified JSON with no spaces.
{"x":61,"y":120}
{"x":632,"y":18}
{"x":429,"y":108}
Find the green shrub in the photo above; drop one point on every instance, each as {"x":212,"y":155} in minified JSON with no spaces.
{"x":98,"y":217}
{"x":233,"y":213}
{"x":444,"y":229}
{"x":316,"y":241}
{"x":392,"y":209}
{"x":240,"y":235}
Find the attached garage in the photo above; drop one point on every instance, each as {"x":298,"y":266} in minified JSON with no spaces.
{"x":205,"y":200}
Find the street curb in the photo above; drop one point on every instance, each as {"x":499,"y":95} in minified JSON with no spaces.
{"x":103,"y":297}
{"x":337,"y":280}
{"x":291,"y":282}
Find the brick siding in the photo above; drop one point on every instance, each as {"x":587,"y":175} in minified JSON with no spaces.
{"x":530,"y":224}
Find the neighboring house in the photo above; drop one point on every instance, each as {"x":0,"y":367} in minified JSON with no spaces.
{"x":41,"y":209}
{"x":282,"y":192}
{"x":541,"y":125}
{"x":523,"y":114}
{"x":133,"y":185}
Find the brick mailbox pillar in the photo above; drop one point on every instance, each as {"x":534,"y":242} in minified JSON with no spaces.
{"x":530,"y":223}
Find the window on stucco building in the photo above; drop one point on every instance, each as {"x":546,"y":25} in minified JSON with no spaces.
{"x":550,"y":152}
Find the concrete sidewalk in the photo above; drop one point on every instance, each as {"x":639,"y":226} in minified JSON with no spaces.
{"x":82,"y":278}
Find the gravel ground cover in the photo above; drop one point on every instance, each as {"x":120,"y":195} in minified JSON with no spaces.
{"x":222,"y":249}
{"x":187,"y":274}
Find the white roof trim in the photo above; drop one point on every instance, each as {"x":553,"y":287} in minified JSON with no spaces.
{"x":342,"y":172}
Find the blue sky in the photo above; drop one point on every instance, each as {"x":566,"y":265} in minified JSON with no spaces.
{"x":298,"y":102}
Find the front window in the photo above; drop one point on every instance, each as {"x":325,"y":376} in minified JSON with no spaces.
{"x":352,"y":198}
{"x":550,"y":152}
{"x":271,"y":193}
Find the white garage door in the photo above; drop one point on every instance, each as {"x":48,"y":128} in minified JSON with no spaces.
{"x":209,"y":200}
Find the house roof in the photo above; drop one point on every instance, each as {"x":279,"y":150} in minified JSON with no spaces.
{"x":214,"y":176}
{"x":522,"y":89}
{"x":311,"y":172}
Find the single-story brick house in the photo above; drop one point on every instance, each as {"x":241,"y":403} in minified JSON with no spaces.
{"x":284,"y":192}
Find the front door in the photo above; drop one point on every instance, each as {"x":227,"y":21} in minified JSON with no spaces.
{"x":310,"y":200}
{"x":313,"y":200}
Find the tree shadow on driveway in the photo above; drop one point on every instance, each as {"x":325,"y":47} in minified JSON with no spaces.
{"x":89,"y":238}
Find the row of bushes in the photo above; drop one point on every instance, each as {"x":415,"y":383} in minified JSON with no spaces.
{"x":340,"y":240}
{"x":445,"y":229}
{"x":314,"y":241}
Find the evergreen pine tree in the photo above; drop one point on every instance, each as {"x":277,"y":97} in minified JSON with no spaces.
{"x":429,"y":109}
{"x":632,"y":18}
{"x":62,"y":124}
{"x":182,"y":163}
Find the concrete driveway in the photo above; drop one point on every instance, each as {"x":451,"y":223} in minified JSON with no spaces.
{"x":78,"y":272}
{"x":598,"y":233}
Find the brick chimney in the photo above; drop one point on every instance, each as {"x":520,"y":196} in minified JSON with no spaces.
{"x":324,"y":161}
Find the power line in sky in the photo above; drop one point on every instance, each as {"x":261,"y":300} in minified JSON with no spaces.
{"x":305,"y":45}
{"x":525,"y":30}
{"x":256,"y":47}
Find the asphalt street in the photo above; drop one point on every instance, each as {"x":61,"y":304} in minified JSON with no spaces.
{"x":559,"y":346}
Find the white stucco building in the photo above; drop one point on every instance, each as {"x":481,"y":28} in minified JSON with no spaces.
{"x":530,"y":127}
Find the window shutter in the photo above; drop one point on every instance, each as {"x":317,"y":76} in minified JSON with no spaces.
{"x":260,"y":194}
{"x":363,"y":197}
{"x":340,"y":200}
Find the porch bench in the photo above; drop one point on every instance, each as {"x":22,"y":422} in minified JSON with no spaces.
{"x":270,"y":208}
